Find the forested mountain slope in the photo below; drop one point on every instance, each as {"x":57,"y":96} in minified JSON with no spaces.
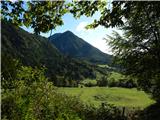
{"x":70,"y":44}
{"x":33,"y":50}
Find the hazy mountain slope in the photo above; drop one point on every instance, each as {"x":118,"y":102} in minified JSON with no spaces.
{"x":72,"y":45}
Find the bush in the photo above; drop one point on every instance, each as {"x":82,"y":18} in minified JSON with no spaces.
{"x":104,"y":112}
{"x":36,"y":98}
{"x":102,"y":82}
{"x":112,"y":83}
{"x":9,"y":69}
{"x":88,"y":83}
{"x":125,"y":82}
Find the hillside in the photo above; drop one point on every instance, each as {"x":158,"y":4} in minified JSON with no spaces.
{"x":71,"y":45}
{"x":33,"y":50}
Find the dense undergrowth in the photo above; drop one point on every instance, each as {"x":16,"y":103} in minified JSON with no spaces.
{"x":28,"y":95}
{"x":33,"y":97}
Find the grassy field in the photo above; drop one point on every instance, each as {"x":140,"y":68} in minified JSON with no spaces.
{"x":117,"y":96}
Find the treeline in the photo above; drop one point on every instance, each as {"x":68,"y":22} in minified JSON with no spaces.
{"x":104,"y":81}
{"x":73,"y":72}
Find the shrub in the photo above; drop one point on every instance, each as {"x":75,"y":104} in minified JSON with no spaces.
{"x":104,"y":112}
{"x":9,"y":69}
{"x":35,"y":98}
{"x":102,"y":82}
{"x":125,"y":82}
{"x":112,"y":83}
{"x":89,"y":83}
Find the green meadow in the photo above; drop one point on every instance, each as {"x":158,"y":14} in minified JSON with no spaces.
{"x":121,"y":97}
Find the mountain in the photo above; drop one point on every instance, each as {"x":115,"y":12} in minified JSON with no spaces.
{"x":33,"y":50}
{"x":71,"y":45}
{"x":30,"y":49}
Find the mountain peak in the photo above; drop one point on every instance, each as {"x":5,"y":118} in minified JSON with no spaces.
{"x":70,"y":44}
{"x":67,"y":32}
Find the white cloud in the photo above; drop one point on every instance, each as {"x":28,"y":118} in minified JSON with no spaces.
{"x":81,"y":26}
{"x":95,"y":36}
{"x":101,"y":45}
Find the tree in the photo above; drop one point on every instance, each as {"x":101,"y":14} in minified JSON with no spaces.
{"x":138,"y":50}
{"x":42,"y":16}
{"x":34,"y":97}
{"x":102,"y":82}
{"x":9,"y":70}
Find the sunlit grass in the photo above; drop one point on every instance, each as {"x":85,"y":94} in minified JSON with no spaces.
{"x":117,"y":96}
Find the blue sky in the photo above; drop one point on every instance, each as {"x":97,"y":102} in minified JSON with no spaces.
{"x":92,"y":36}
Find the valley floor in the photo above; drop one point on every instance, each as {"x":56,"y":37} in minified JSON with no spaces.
{"x":121,"y":97}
